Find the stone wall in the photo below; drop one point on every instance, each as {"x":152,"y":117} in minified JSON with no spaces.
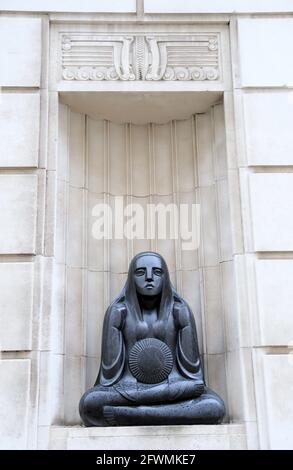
{"x":23,"y":78}
{"x":263,"y":105}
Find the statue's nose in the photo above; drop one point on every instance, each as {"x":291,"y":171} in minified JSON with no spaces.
{"x":149,"y":274}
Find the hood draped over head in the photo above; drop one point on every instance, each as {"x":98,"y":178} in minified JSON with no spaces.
{"x":129,"y":293}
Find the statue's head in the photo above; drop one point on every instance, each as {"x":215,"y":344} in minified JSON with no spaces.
{"x":148,"y":272}
{"x":148,"y":275}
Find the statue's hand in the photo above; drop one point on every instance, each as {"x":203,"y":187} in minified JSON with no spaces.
{"x":185,"y":389}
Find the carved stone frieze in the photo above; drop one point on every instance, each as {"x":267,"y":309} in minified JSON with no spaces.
{"x":138,"y":57}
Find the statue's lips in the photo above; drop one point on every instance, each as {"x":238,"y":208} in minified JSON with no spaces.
{"x":149,"y":286}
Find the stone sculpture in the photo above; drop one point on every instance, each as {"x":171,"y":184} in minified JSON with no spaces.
{"x":150,"y":371}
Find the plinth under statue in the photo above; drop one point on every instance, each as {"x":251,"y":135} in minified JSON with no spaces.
{"x":150,"y":371}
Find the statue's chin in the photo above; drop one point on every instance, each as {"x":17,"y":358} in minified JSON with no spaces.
{"x":147,"y":292}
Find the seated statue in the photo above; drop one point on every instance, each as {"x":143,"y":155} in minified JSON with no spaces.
{"x":150,"y":371}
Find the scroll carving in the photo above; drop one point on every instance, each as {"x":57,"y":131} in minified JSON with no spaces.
{"x":136,"y":57}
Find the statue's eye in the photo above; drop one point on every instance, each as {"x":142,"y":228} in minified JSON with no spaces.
{"x":158,"y":271}
{"x":140,"y":272}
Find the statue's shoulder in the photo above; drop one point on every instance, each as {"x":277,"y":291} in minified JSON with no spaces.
{"x":116,"y":313}
{"x":181,"y":311}
{"x":180,"y":304}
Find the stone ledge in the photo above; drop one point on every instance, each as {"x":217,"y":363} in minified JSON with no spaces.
{"x":208,"y":437}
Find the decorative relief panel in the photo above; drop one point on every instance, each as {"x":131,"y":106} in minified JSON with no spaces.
{"x":137,"y":57}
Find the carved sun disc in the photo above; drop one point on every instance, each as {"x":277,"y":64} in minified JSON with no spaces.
{"x":150,"y":360}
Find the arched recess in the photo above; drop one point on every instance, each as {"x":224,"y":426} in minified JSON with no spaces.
{"x":181,"y":160}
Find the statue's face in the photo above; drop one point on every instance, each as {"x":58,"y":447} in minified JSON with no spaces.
{"x":148,"y":275}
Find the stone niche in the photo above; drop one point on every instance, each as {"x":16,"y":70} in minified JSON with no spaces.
{"x":179,"y":160}
{"x":146,"y":124}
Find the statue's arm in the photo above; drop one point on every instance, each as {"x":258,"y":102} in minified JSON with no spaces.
{"x":187,"y":354}
{"x":113,"y":350}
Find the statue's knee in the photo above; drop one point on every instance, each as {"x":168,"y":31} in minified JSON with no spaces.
{"x":90,"y":406}
{"x":216,"y":410}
